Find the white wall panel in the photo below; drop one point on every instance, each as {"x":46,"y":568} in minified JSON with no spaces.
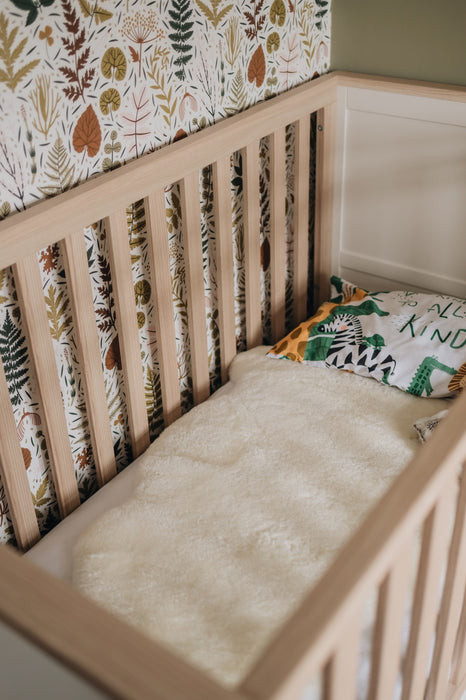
{"x":402,"y":214}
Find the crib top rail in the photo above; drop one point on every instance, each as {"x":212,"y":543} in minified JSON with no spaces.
{"x":46,"y":222}
{"x":49,"y":221}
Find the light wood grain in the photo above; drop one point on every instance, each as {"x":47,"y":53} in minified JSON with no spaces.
{"x":402,"y":86}
{"x":251,"y":227}
{"x":192,"y":243}
{"x":458,"y":670}
{"x":90,"y":359}
{"x":452,"y":599}
{"x":128,"y":334}
{"x":456,"y":691}
{"x":341,"y":671}
{"x":107,"y":652}
{"x":436,"y":533}
{"x":36,"y":325}
{"x":159,"y":262}
{"x":277,"y":233}
{"x":13,"y":473}
{"x":225,"y":273}
{"x":302,"y":196}
{"x":386,"y":645}
{"x":325,"y":167}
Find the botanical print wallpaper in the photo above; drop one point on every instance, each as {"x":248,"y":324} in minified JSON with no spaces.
{"x":85,"y":86}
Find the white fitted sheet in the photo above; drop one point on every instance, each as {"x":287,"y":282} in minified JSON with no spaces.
{"x":54,"y":552}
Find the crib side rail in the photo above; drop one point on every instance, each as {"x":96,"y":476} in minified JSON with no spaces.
{"x":113,"y":656}
{"x":324,"y":634}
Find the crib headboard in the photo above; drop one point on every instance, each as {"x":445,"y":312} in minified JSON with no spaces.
{"x":400,"y":209}
{"x":347,"y":208}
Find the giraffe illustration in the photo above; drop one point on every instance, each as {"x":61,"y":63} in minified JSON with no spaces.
{"x":294,"y":344}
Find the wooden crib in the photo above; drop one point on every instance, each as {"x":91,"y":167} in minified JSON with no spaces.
{"x":323,"y":635}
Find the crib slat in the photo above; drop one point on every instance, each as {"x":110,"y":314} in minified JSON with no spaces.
{"x":128,"y":336}
{"x":425,"y":605}
{"x":86,"y":335}
{"x":387,"y":634}
{"x":301,"y":218}
{"x":452,"y":599}
{"x":225,"y":282}
{"x":325,"y":156}
{"x":13,"y":473}
{"x":252,"y":243}
{"x":33,"y":312}
{"x":192,"y":243}
{"x":159,"y":261}
{"x":458,"y":672}
{"x":341,"y":671}
{"x":277,"y":232}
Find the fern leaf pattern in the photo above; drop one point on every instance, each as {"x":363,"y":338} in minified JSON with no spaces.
{"x":10,"y":54}
{"x":57,"y":312}
{"x":214,"y":13}
{"x":238,"y":96}
{"x":322,"y":13}
{"x":153,"y":394}
{"x":181,"y":25}
{"x":14,"y":354}
{"x":60,"y":171}
{"x":78,"y":81}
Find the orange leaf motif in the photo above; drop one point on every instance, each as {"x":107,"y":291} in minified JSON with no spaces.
{"x":134,"y":55}
{"x":26,"y":457}
{"x":49,"y":257}
{"x":256,"y":69}
{"x":87,"y":133}
{"x":47,"y":34}
{"x":113,"y":357}
{"x":180,"y":134}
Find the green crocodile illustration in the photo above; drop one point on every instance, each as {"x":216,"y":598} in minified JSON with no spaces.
{"x":421,"y":379}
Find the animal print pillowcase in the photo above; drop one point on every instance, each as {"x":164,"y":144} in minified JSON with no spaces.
{"x":414,"y":341}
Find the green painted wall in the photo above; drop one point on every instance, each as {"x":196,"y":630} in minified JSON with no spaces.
{"x":418,"y":39}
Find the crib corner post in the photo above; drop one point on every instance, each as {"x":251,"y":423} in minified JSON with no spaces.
{"x":324,"y":199}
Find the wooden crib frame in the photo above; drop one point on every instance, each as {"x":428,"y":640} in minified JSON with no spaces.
{"x":322,"y":636}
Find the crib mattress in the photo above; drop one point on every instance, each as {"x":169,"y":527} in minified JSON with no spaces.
{"x":243,"y":503}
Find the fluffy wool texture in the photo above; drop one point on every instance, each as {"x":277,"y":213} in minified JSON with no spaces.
{"x":243,"y":503}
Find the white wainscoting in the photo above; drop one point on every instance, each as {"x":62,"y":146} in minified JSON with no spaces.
{"x":400,"y":212}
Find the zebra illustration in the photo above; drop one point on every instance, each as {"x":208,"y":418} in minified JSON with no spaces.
{"x":339,"y":342}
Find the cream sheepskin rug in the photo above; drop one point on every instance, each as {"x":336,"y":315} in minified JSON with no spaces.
{"x":243,"y":503}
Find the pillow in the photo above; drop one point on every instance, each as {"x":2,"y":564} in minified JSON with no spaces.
{"x":414,"y":341}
